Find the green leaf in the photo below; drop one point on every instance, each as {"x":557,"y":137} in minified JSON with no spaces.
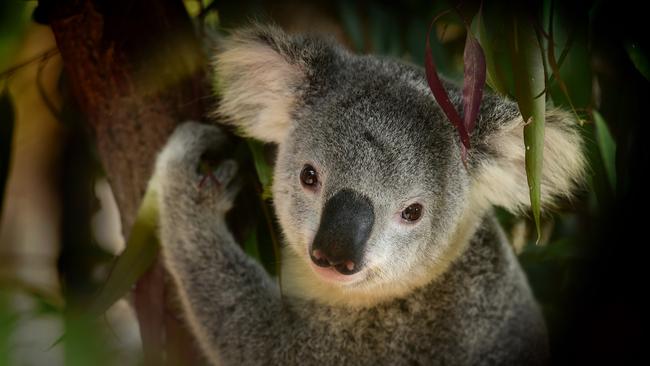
{"x":14,"y":17}
{"x":6,"y":136}
{"x":528,"y":69}
{"x":567,"y":51}
{"x":607,"y":147}
{"x":494,"y":75}
{"x":494,"y":30}
{"x":264,"y":170}
{"x":639,"y":58}
{"x":251,"y":245}
{"x":140,"y":253}
{"x":265,"y":176}
{"x":8,"y":321}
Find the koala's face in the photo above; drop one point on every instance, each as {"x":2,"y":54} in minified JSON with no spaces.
{"x":369,"y":186}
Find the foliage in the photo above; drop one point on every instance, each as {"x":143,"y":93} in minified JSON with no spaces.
{"x":6,"y":136}
{"x":139,"y":254}
{"x":13,"y":19}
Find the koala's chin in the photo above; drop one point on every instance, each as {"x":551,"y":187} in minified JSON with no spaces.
{"x":392,"y":253}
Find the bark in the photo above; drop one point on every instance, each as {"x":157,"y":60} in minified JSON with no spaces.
{"x":135,"y":69}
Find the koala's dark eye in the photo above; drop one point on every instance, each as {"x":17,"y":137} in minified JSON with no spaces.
{"x":412,"y":213}
{"x":308,"y":176}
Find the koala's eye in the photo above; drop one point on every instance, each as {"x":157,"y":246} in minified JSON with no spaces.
{"x":308,"y":176}
{"x":412,"y":213}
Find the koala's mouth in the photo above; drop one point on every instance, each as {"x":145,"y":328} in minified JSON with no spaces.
{"x":331,"y":274}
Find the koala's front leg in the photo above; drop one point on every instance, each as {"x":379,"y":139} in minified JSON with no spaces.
{"x":230,"y":302}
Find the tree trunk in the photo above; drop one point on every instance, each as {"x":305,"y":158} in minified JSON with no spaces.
{"x":135,"y":69}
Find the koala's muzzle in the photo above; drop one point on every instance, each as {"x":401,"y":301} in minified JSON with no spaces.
{"x":344,"y":229}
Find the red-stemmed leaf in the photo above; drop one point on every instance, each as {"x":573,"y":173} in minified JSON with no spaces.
{"x":439,"y":92}
{"x":474,"y":80}
{"x":473,"y":85}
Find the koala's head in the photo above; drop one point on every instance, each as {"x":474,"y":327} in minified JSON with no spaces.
{"x":369,"y":186}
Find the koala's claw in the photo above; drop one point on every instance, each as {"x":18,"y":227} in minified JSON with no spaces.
{"x":219,"y":185}
{"x":207,"y":174}
{"x":220,"y":177}
{"x":209,"y":177}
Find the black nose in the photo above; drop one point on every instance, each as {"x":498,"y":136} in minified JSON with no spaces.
{"x":344,"y":229}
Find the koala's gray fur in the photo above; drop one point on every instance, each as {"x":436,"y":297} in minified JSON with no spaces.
{"x":445,"y":290}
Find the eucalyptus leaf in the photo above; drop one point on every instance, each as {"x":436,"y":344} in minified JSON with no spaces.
{"x":264,"y":170}
{"x":607,"y":147}
{"x":14,"y":17}
{"x":493,"y":74}
{"x":8,"y":321}
{"x":570,"y":85}
{"x":440,"y":93}
{"x":528,"y":70}
{"x":140,"y":253}
{"x":473,"y":82}
{"x":639,"y":58}
{"x":251,"y":245}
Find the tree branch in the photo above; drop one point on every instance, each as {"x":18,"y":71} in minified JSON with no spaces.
{"x":136,"y":70}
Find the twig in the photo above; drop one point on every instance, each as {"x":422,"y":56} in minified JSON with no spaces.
{"x":43,"y":56}
{"x":41,"y":89}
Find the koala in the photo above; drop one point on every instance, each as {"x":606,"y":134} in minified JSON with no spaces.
{"x":391,"y":251}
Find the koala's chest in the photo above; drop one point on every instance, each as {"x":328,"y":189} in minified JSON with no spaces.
{"x":399,"y":334}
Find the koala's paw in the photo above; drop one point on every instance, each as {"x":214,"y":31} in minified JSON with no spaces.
{"x":190,"y":170}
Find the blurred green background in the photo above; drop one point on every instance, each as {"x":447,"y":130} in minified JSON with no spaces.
{"x":60,"y":233}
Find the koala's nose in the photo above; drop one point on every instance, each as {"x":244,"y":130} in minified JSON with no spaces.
{"x":322,"y":260}
{"x":344,"y":229}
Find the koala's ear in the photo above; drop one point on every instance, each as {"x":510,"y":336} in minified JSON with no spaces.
{"x":500,"y":170}
{"x":259,"y":74}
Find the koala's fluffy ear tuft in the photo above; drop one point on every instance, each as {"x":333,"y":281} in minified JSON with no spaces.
{"x":259,"y":72}
{"x":500,"y":174}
